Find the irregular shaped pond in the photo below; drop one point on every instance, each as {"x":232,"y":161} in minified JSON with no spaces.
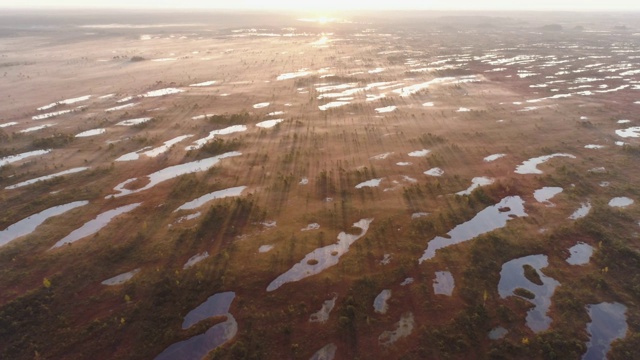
{"x":444,"y":283}
{"x":47,"y":177}
{"x":333,"y":104}
{"x":476,"y":182}
{"x":404,"y":328}
{"x":293,"y":75}
{"x":321,"y":258}
{"x":121,"y":279}
{"x":580,"y":254}
{"x":531,"y":166}
{"x":545,"y":194}
{"x":620,"y":202}
{"x":312,"y":226}
{"x":418,"y":215}
{"x":36,"y":128}
{"x":132,"y":122}
{"x":121,"y":107}
{"x":205,"y":83}
{"x":407,"y":281}
{"x":132,"y":155}
{"x":369,"y":183}
{"x":629,"y":132}
{"x":215,"y":305}
{"x":261,"y":105}
{"x":419,"y":153}
{"x":162,"y":92}
{"x":386,"y":109}
{"x":407,"y":91}
{"x":30,"y":223}
{"x":380,"y":302}
{"x":323,"y":314}
{"x":493,"y":157}
{"x":489,"y":219}
{"x":172,"y":172}
{"x":269,"y":123}
{"x":14,"y":158}
{"x":167,"y":145}
{"x":93,"y":226}
{"x":186,"y":218}
{"x":381,"y":156}
{"x":512,"y":277}
{"x":198,"y":144}
{"x":434,"y":172}
{"x":608,"y":323}
{"x":195,"y":259}
{"x":220,"y":194}
{"x":199,"y":346}
{"x":50,"y":115}
{"x":583,"y":211}
{"x":93,"y":132}
{"x":65,"y":102}
{"x":327,"y":352}
{"x":498,"y":333}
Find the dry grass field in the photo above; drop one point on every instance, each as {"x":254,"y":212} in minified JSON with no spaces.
{"x":379,"y":125}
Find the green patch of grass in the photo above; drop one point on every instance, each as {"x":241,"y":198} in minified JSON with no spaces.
{"x":53,"y":141}
{"x":532,"y":274}
{"x":220,"y":146}
{"x":524,"y":293}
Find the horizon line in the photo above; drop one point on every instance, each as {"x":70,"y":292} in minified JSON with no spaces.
{"x":302,"y":10}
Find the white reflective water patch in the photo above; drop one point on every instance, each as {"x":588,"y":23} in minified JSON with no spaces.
{"x":35,"y":128}
{"x":629,"y":132}
{"x":93,"y":132}
{"x":120,"y":279}
{"x":434,"y":172}
{"x":269,"y":123}
{"x":333,"y":104}
{"x":493,"y":157}
{"x":386,"y":109}
{"x":65,"y":102}
{"x":261,"y":105}
{"x":419,"y":153}
{"x":293,"y":75}
{"x":198,"y":144}
{"x":369,"y":183}
{"x":321,"y":258}
{"x":132,"y":122}
{"x":531,"y":166}
{"x":172,"y":172}
{"x":220,"y":194}
{"x":621,"y":202}
{"x":476,"y":182}
{"x":93,"y":226}
{"x":205,"y":83}
{"x":50,"y":115}
{"x":121,"y":107}
{"x":14,"y":158}
{"x":162,"y":92}
{"x":29,"y":224}
{"x":47,"y":177}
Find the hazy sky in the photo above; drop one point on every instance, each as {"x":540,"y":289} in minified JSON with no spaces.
{"x":328,"y":5}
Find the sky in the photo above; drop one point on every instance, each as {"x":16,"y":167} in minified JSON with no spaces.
{"x":335,"y":5}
